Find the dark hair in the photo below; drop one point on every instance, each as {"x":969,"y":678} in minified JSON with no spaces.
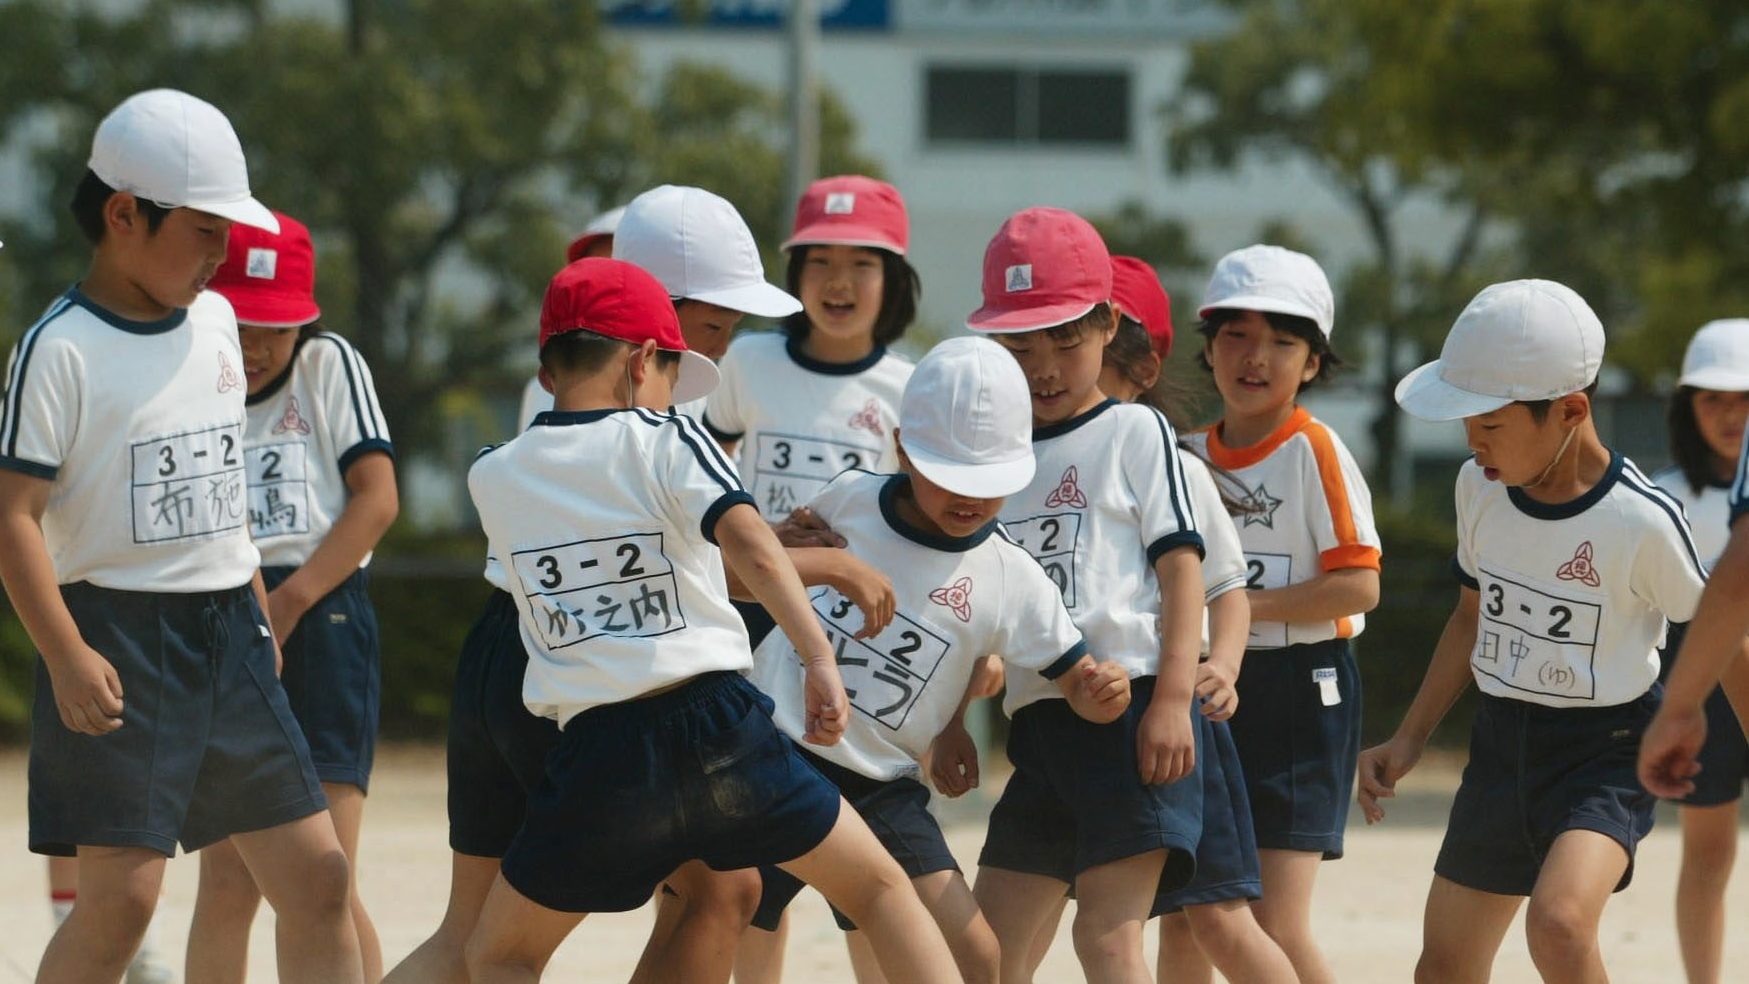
{"x":1539,"y":409}
{"x":1687,"y":447}
{"x":900,"y":289}
{"x":585,"y":353}
{"x":1304,"y":329}
{"x":92,"y":195}
{"x":1131,"y":352}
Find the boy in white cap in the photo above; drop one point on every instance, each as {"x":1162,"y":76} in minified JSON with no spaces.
{"x":1570,"y":561}
{"x":965,"y":590}
{"x":124,"y":546}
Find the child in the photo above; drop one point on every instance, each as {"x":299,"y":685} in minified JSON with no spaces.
{"x":159,"y":718}
{"x":666,"y":754}
{"x":966,"y":592}
{"x":1313,"y":560}
{"x":1570,"y":561}
{"x":1100,"y":807}
{"x":596,"y":239}
{"x":321,"y":477}
{"x":1707,"y":414}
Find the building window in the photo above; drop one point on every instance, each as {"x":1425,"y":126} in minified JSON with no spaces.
{"x":1013,"y":105}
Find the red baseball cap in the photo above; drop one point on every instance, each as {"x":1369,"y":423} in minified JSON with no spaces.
{"x":1046,"y":267}
{"x":1137,"y":292}
{"x":602,"y":227}
{"x":851,"y":210}
{"x":615,"y":299}
{"x":269,"y":278}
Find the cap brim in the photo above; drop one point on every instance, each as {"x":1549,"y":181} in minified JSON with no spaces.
{"x":843,"y":234}
{"x":993,"y":480}
{"x":698,"y":377}
{"x":1722,"y":378}
{"x":581,"y":244}
{"x":1425,"y":395}
{"x":758,"y":299}
{"x":1273,"y":305}
{"x":1007,"y":321}
{"x":247,"y":211}
{"x":269,"y":309}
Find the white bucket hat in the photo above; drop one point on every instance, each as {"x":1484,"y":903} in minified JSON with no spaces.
{"x":1273,"y":279}
{"x":965,"y":420}
{"x":700,"y":248}
{"x":1718,"y":357}
{"x":177,"y":151}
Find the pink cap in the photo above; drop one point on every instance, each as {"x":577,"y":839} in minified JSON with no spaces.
{"x":1136,"y":290}
{"x":615,"y":299}
{"x":1045,"y":267}
{"x":269,"y":278}
{"x":851,"y":210}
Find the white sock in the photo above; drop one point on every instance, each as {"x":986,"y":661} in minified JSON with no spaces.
{"x":61,"y":903}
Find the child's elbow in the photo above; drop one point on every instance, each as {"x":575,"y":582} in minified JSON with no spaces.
{"x":1366,"y":590}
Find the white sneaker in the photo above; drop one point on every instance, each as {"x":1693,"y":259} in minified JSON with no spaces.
{"x":147,"y":969}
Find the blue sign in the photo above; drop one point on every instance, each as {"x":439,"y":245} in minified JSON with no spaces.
{"x":860,"y":15}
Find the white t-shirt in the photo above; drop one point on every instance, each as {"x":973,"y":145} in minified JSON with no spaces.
{"x":614,"y":570}
{"x":303,"y":433}
{"x":801,"y":422}
{"x":535,"y":400}
{"x":1108,"y":499}
{"x":139,"y":426}
{"x":1309,"y":512}
{"x":1574,"y":596}
{"x":1740,"y":486}
{"x":1708,"y":512}
{"x":1223,"y":558}
{"x":959,"y":599}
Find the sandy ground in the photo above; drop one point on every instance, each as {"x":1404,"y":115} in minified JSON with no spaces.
{"x":1369,"y":913}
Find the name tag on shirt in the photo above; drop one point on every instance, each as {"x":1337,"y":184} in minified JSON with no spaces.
{"x":1536,"y":641}
{"x":619,"y":586}
{"x":188,"y":485}
{"x":884,"y":676}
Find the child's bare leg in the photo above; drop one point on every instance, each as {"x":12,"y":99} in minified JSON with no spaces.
{"x":856,"y":874}
{"x":969,"y":936}
{"x":346,"y":805}
{"x":515,"y":938}
{"x":224,"y":909}
{"x":303,"y":874}
{"x":1046,"y":935}
{"x":864,"y":966}
{"x":759,"y":960}
{"x":1017,"y":906}
{"x":1709,"y":851}
{"x":1581,"y":870}
{"x":1227,"y":935}
{"x":1111,"y":907}
{"x":1181,"y":960}
{"x":1461,"y":932}
{"x":697,"y":928}
{"x":441,"y":958}
{"x":1285,"y":911}
{"x":118,"y":889}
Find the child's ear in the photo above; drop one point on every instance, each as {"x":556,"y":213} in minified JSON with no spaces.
{"x":1314,"y":362}
{"x":121,"y":213}
{"x":641,"y":361}
{"x":1151,"y":375}
{"x":546,"y":379}
{"x":1575,"y":408}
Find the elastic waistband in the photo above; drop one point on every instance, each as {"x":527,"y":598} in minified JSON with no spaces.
{"x":90,"y":593}
{"x":1304,"y":649}
{"x":702,"y":689}
{"x":1644,"y":704}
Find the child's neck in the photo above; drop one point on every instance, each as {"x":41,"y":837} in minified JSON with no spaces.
{"x":1576,"y":472}
{"x":837,"y":351}
{"x":1241,"y":430}
{"x":114,"y":291}
{"x":1724,"y":469}
{"x":600,"y":391}
{"x":905,"y":503}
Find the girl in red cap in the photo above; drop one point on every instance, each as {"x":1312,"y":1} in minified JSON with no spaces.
{"x":322,"y":493}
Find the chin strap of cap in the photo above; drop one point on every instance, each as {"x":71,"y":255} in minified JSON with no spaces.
{"x":1557,"y":460}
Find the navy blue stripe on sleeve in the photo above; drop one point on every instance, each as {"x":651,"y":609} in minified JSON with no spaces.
{"x":708,"y":525}
{"x":711,"y":447}
{"x":1172,"y":541}
{"x":372,"y":412}
{"x":1175,"y":484}
{"x":9,"y":413}
{"x":31,"y":468}
{"x":718,"y":432}
{"x":1464,"y":577}
{"x":363,"y":448}
{"x":352,"y":382}
{"x":1633,"y":479}
{"x":1065,"y":662}
{"x":694,"y":439}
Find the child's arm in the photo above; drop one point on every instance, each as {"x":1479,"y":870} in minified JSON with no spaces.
{"x":761,"y":564}
{"x":1217,"y":680}
{"x":372,"y":503}
{"x":1448,"y":676}
{"x":1330,"y":596}
{"x":1166,"y":743}
{"x":953,"y":755}
{"x":867,"y":588}
{"x":1097,"y":691}
{"x":87,"y":690}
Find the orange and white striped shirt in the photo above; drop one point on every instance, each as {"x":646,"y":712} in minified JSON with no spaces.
{"x":1308,"y":511}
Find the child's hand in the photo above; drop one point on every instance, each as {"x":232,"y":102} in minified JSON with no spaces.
{"x":1669,"y":751}
{"x":868,"y":589}
{"x":285,"y":609}
{"x":1165,"y":744}
{"x":802,"y":528}
{"x":1102,"y":691}
{"x":825,"y":709}
{"x":1217,"y":686}
{"x":953,"y":761}
{"x":1380,"y":768}
{"x":87,"y":691}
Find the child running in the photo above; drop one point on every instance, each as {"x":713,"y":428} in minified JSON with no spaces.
{"x":1569,"y":561}
{"x":667,"y":754}
{"x":1313,"y":560}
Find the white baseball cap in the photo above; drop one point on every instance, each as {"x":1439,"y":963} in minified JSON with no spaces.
{"x":1718,"y":357}
{"x":1518,"y":340}
{"x":965,"y":420}
{"x":1270,"y":278}
{"x":700,"y":248}
{"x":177,"y":151}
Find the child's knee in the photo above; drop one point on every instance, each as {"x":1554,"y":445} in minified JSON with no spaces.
{"x":1559,"y":931}
{"x":1219,"y":933}
{"x":725,"y":896}
{"x":1101,"y":940}
{"x":324,"y":887}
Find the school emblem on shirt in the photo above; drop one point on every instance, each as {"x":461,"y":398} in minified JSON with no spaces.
{"x":956,"y":597}
{"x":228,"y":378}
{"x":868,"y":419}
{"x":1580,"y":568}
{"x":291,"y":420}
{"x":1258,"y":507}
{"x":1067,"y":492}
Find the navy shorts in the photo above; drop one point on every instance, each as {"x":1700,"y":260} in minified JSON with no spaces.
{"x":1724,"y":759}
{"x":1298,"y":753}
{"x":1226,"y":858}
{"x":333,"y":677}
{"x":1076,"y":800}
{"x":497,"y":749}
{"x":208,"y":746}
{"x":637,"y":788}
{"x":1537,"y":772}
{"x":898,"y":813}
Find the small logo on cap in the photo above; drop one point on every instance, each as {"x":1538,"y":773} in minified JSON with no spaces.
{"x":868,"y":419}
{"x":956,"y":597}
{"x":840,"y":202}
{"x":228,"y":378}
{"x":291,"y":419}
{"x":1067,"y":492}
{"x":1019,"y":277}
{"x":262,"y":263}
{"x":1580,"y":568}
